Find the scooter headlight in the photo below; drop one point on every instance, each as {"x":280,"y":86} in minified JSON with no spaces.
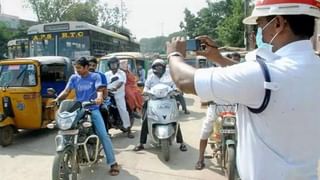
{"x":66,"y":119}
{"x":229,"y":121}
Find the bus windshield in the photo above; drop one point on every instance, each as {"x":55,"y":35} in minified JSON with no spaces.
{"x":45,"y":47}
{"x":74,"y":47}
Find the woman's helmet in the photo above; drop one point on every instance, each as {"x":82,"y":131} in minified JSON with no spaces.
{"x":113,"y":60}
{"x":283,"y":7}
{"x":158,"y":62}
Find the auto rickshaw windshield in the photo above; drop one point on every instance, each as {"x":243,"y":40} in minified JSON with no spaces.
{"x":17,"y":75}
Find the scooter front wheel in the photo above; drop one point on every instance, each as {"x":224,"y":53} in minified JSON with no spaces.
{"x":165,"y":148}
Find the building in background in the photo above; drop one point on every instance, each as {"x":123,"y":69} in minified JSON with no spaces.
{"x":14,"y":22}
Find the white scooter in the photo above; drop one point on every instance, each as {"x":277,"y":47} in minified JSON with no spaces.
{"x":161,"y":115}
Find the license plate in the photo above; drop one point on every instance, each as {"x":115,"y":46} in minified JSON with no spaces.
{"x":228,"y":131}
{"x":69,"y":132}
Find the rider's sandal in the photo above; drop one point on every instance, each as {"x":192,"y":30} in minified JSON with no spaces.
{"x":138,"y":147}
{"x":130,"y":135}
{"x":183,"y":147}
{"x":114,"y":169}
{"x":200,"y":165}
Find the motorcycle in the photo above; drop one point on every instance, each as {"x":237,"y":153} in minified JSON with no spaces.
{"x":76,"y":142}
{"x":109,"y":110}
{"x":161,"y":116}
{"x":110,"y":114}
{"x":223,"y":140}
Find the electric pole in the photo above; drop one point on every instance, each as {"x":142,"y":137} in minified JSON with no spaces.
{"x":246,"y":27}
{"x":121,"y":7}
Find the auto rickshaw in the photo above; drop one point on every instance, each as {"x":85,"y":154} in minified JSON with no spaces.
{"x":24,"y":99}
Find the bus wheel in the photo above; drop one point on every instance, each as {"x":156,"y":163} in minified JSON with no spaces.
{"x":6,"y":135}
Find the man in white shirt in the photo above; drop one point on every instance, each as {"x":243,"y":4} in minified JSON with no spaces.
{"x":117,"y":79}
{"x":276,"y":141}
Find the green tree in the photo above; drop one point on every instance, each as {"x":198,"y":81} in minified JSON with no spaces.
{"x":153,"y":45}
{"x":190,"y":24}
{"x":207,"y":19}
{"x":221,"y":20}
{"x":113,"y":17}
{"x":87,"y":12}
{"x":50,"y":10}
{"x":5,"y":35}
{"x":231,"y":29}
{"x":157,"y":44}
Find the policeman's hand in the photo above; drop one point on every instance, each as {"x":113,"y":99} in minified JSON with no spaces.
{"x":209,"y":48}
{"x":177,"y":44}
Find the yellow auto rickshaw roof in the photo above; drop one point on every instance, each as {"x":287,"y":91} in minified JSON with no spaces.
{"x":44,"y":59}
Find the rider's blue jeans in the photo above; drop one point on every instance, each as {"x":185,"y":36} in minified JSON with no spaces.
{"x":103,"y":136}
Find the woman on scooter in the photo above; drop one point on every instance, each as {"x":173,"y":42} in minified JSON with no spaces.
{"x":159,"y":75}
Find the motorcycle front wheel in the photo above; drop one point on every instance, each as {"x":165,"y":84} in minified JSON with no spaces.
{"x":230,"y":158}
{"x":63,"y":165}
{"x":165,"y":148}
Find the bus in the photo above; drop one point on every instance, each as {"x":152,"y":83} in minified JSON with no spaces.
{"x":18,"y":48}
{"x":75,"y":39}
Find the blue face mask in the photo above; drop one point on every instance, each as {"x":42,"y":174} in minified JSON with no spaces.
{"x":259,"y":37}
{"x":259,"y":40}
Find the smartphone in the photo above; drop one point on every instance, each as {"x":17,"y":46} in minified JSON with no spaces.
{"x":193,"y":45}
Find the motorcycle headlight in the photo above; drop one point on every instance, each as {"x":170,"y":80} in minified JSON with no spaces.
{"x":229,"y":121}
{"x":65,"y":120}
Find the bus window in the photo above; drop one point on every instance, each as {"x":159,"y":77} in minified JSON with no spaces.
{"x":42,"y":48}
{"x":78,"y":39}
{"x":18,"y":48}
{"x":74,"y":47}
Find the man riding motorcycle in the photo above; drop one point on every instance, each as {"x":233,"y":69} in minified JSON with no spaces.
{"x":118,"y":89}
{"x":159,"y":75}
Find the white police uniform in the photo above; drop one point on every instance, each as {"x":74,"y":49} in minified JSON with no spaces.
{"x":281,"y":142}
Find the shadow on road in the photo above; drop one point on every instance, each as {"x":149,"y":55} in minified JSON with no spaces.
{"x":31,"y":142}
{"x":101,"y":172}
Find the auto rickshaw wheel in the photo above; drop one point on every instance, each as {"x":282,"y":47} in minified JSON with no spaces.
{"x":6,"y":135}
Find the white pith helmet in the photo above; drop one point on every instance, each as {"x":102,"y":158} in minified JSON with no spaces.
{"x":283,"y":7}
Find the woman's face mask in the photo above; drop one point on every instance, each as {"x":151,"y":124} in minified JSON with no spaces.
{"x":259,"y":37}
